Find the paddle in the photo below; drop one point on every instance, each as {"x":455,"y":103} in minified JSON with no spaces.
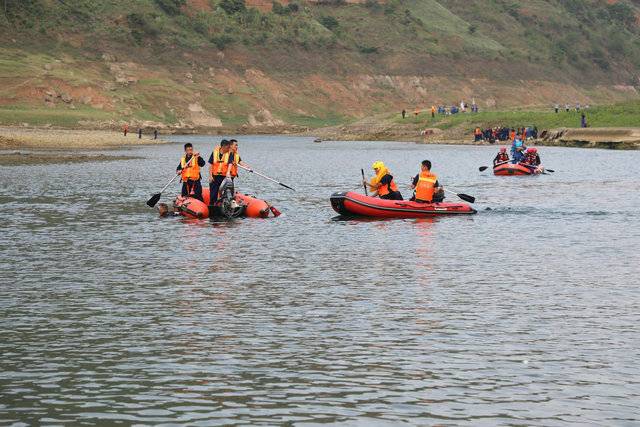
{"x":366,"y":193}
{"x":266,"y":177}
{"x":156,"y":197}
{"x":464,"y":197}
{"x":483,"y":168}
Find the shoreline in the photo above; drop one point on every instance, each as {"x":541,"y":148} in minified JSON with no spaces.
{"x":46,"y":138}
{"x":39,"y":138}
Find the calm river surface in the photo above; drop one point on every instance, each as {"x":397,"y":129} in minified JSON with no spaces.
{"x":525,"y":314}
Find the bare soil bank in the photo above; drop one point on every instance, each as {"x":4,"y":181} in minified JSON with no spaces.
{"x":51,"y":139}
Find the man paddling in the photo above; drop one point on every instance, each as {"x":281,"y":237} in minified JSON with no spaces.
{"x":189,"y":167}
{"x":219,"y":169}
{"x":426,"y":185}
{"x":532,"y":160}
{"x":501,"y":157}
{"x":383,"y":185}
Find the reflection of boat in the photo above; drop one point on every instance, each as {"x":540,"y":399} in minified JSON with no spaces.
{"x":506,"y":169}
{"x":352,"y":203}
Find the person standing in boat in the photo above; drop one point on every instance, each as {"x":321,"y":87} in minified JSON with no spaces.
{"x":426,"y":185}
{"x":190,"y":170}
{"x":235,"y":160}
{"x":382,"y":185}
{"x":219,"y":168}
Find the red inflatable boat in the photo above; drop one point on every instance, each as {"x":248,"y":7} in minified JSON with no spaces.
{"x":358,"y":204}
{"x":507,"y":169}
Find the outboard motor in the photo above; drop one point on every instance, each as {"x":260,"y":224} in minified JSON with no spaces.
{"x":228,"y":205}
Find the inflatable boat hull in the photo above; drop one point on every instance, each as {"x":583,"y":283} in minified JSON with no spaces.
{"x":509,"y":169}
{"x":255,"y":208}
{"x":191,"y":208}
{"x":358,"y":204}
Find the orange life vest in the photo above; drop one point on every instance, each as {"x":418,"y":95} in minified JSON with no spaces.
{"x":383,"y":190}
{"x":220,"y":164}
{"x":233,"y":167}
{"x":426,"y":186}
{"x":513,"y":136}
{"x":190,"y":172}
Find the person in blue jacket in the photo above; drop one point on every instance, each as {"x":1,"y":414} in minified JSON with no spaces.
{"x":517,"y":150}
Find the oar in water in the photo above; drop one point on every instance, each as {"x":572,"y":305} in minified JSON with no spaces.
{"x":366,"y":193}
{"x":483,"y":168}
{"x":156,"y":197}
{"x":266,"y":177}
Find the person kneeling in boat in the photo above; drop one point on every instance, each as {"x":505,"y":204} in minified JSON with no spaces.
{"x":190,"y":170}
{"x":501,"y":158}
{"x":532,"y":159}
{"x":426,"y":186}
{"x":383,"y":185}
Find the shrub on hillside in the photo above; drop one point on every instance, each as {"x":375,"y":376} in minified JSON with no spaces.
{"x":221,"y":41}
{"x":141,"y":26}
{"x":232,"y":7}
{"x":172,"y":7}
{"x":329,"y":22}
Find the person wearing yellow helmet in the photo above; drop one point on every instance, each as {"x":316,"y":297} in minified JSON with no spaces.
{"x":382,"y":184}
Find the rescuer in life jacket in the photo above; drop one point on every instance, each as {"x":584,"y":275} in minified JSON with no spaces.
{"x":532,"y":159}
{"x":219,"y":168}
{"x":426,"y":185}
{"x":190,"y":171}
{"x":383,"y":185}
{"x":501,"y":157}
{"x":235,"y":159}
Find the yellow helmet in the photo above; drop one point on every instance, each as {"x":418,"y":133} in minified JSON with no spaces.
{"x":377,"y":165}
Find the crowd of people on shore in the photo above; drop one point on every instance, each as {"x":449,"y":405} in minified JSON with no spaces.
{"x":444,"y":110}
{"x":501,"y":133}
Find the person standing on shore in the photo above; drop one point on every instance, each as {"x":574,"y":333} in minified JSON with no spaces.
{"x":433,"y":111}
{"x":404,"y":113}
{"x":189,"y":168}
{"x":583,"y":121}
{"x":139,"y":133}
{"x":125,"y":129}
{"x":557,"y":108}
{"x":155,"y":134}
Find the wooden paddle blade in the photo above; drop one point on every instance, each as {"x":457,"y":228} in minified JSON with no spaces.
{"x":483,"y":168}
{"x":153,"y":200}
{"x":467,"y":198}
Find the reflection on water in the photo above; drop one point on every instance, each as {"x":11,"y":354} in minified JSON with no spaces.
{"x":525,"y":314}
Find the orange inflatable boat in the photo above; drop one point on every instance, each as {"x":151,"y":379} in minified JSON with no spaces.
{"x":253,"y":208}
{"x":191,"y":208}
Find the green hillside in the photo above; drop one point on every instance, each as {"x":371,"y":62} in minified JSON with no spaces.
{"x":225,"y":64}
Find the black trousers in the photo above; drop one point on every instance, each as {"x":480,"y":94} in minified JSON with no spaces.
{"x":214,"y":187}
{"x":192,"y":189}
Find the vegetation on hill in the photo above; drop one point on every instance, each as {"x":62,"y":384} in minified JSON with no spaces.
{"x":218,"y":63}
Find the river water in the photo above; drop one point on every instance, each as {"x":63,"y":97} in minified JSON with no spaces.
{"x":527,"y":313}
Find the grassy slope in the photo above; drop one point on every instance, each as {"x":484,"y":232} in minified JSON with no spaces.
{"x":619,"y":115}
{"x":582,"y":47}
